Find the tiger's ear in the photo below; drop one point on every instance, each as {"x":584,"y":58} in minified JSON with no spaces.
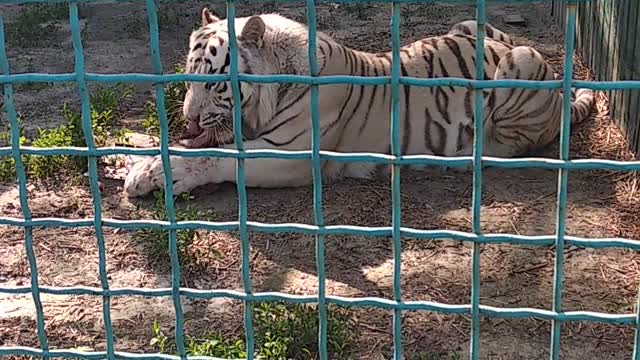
{"x":253,"y":31}
{"x":208,"y":17}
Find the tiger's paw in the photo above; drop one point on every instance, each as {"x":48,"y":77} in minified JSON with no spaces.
{"x":148,"y":175}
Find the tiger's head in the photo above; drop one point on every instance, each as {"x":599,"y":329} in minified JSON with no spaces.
{"x":208,"y":107}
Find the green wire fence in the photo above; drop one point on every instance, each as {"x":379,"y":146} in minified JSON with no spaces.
{"x":319,"y":230}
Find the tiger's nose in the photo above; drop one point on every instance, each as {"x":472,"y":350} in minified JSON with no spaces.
{"x":192,"y":116}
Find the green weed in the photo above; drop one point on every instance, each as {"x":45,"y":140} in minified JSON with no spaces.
{"x":215,"y":345}
{"x":36,"y":24}
{"x":104,"y":104}
{"x":7,"y":163}
{"x":43,"y":167}
{"x":173,"y":97}
{"x":285,"y":331}
{"x":282,"y":331}
{"x":159,"y":339}
{"x":156,"y":241}
{"x":7,"y":169}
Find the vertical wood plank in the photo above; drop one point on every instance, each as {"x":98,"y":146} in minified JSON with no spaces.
{"x":607,"y":40}
{"x":615,"y":40}
{"x":588,"y":34}
{"x":595,"y":29}
{"x":606,"y":35}
{"x":579,"y":28}
{"x":624,"y":31}
{"x":623,"y":114}
{"x":633,"y":119}
{"x":592,"y":39}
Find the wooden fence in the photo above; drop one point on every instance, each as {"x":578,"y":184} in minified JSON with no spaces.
{"x":608,"y":40}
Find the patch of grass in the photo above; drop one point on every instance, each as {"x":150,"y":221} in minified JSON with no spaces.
{"x":44,"y":167}
{"x":104,"y":115}
{"x":159,"y":339}
{"x":173,"y":98}
{"x":291,"y":331}
{"x":36,"y":24}
{"x":105,"y":103}
{"x":156,"y":241}
{"x":7,"y":169}
{"x":7,"y":163}
{"x":282,"y":331}
{"x":215,"y":345}
{"x":211,"y":344}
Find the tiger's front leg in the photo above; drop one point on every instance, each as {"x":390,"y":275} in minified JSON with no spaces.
{"x":189,"y":173}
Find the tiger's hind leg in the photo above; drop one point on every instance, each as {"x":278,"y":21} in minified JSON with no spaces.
{"x":518,"y":120}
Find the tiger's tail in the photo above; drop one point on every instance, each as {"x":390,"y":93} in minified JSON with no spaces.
{"x":582,"y":103}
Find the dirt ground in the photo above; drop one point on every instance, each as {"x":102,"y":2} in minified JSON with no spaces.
{"x":601,"y":204}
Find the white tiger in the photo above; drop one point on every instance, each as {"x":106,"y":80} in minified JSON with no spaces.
{"x":353,"y":118}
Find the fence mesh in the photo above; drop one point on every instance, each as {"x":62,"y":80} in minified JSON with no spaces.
{"x":243,"y":225}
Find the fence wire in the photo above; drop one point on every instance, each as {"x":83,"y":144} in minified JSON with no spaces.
{"x":475,"y":310}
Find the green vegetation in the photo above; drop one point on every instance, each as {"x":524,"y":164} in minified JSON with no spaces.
{"x":7,"y":163}
{"x":173,"y":98}
{"x":282,"y":331}
{"x":36,"y":24}
{"x":104,"y":115}
{"x":156,"y":241}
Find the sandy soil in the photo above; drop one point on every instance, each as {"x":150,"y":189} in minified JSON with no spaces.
{"x":601,"y":204}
